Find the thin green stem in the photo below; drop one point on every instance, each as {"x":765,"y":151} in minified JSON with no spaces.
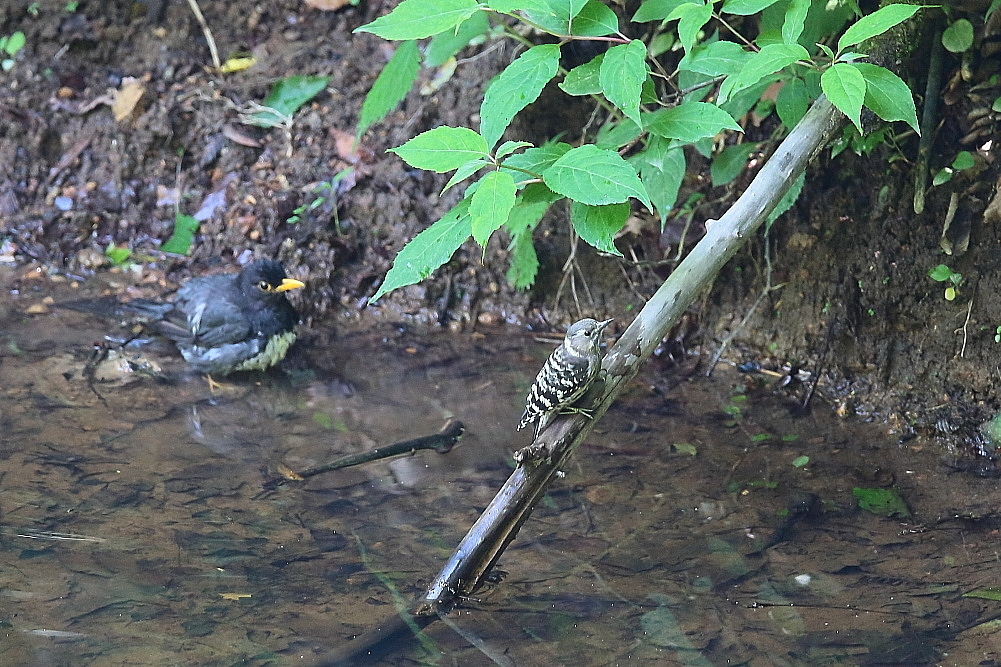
{"x":733,"y":30}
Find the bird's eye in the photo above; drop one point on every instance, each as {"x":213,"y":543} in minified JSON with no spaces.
{"x":264,"y":286}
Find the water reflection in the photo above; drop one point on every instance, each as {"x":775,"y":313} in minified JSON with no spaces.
{"x":688,"y":530}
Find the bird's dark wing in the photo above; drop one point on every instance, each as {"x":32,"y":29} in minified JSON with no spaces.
{"x":217,"y":323}
{"x":206,"y":313}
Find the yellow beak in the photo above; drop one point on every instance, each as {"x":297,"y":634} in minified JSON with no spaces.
{"x":289,"y":283}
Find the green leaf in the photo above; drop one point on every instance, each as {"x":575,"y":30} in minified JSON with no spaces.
{"x":964,"y":160}
{"x":524,"y":261}
{"x":118,"y":255}
{"x":715,"y":59}
{"x":532,"y":203}
{"x":748,"y":98}
{"x":622,"y":73}
{"x":391,"y":86}
{"x":792,"y":102}
{"x":795,"y":19}
{"x":767,"y":61}
{"x":509,"y":147}
{"x":594,"y":176}
{"x":14,"y":43}
{"x":825,"y":20}
{"x":731,"y":162}
{"x":547,"y":20}
{"x":887,"y":95}
{"x":989,"y":593}
{"x":464,"y":172}
{"x":958,"y":37}
{"x":800,"y":461}
{"x":746,"y":7}
{"x":567,"y":9}
{"x":940,"y":273}
{"x":595,"y":20}
{"x":536,"y":160}
{"x":691,"y":17}
{"x":491,"y":204}
{"x":852,"y":56}
{"x":428,"y":250}
{"x":689,"y":121}
{"x":685,"y":448}
{"x":417,"y":19}
{"x":444,"y":45}
{"x":512,"y":6}
{"x":662,"y":169}
{"x":656,"y":10}
{"x":515,"y":88}
{"x":845,"y":88}
{"x":664,"y":42}
{"x":617,"y":134}
{"x":442,"y":149}
{"x":554,"y":16}
{"x":942,"y":176}
{"x":598,"y":225}
{"x":584,"y":79}
{"x":286,"y":96}
{"x":876,"y":23}
{"x":182,"y":237}
{"x":788,"y":199}
{"x":883,"y":502}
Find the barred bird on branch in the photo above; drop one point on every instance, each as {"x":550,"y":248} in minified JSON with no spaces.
{"x":566,"y":375}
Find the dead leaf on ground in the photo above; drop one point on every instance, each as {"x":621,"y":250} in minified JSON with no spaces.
{"x":126,"y":98}
{"x":347,"y":145}
{"x":236,"y":136}
{"x":234,"y":596}
{"x":327,"y":5}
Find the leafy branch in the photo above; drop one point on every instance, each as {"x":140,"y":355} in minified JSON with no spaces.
{"x":639,"y":152}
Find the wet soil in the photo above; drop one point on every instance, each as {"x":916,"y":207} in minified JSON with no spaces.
{"x":703,"y":522}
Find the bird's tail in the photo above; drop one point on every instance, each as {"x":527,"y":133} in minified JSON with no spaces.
{"x":111,"y":308}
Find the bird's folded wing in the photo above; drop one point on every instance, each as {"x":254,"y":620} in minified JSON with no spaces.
{"x":218,"y":323}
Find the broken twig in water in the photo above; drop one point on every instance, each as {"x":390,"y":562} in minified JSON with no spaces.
{"x":441,"y":442}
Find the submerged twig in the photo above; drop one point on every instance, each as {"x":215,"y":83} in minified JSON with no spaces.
{"x":441,"y":442}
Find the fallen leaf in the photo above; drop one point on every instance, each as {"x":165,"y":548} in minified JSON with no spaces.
{"x":441,"y":77}
{"x":237,"y":65}
{"x":288,"y":473}
{"x":346,"y":144}
{"x":234,"y":596}
{"x":327,"y":5}
{"x":37,"y":309}
{"x":238,"y":137}
{"x":126,"y":98}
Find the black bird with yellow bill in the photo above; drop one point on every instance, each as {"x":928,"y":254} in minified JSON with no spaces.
{"x":223,"y":323}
